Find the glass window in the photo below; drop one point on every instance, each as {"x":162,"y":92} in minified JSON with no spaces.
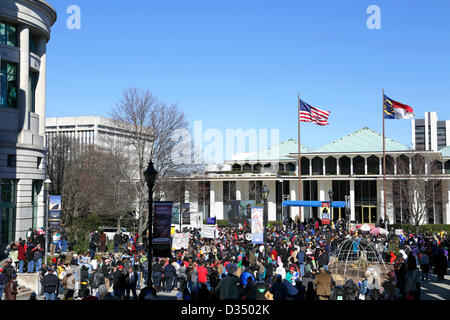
{"x":418,"y":164}
{"x":344,"y":165}
{"x":32,"y":44}
{"x":8,"y":85}
{"x":305,"y":166}
{"x":359,"y":165}
{"x":8,"y":34}
{"x":317,"y":166}
{"x":331,"y":166}
{"x":389,"y":165}
{"x":403,"y":164}
{"x":11,"y":35}
{"x":11,"y":160}
{"x":373,"y":165}
{"x":290,"y":167}
{"x":204,"y":198}
{"x":436,"y":167}
{"x":254,"y":191}
{"x":33,"y":80}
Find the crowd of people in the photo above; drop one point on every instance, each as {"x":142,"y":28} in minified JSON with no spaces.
{"x":293,"y":266}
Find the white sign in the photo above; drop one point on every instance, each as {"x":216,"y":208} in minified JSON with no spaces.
{"x":196,"y":220}
{"x":209,"y":231}
{"x":398,"y":232}
{"x":180,"y":240}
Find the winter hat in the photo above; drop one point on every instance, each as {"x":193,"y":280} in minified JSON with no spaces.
{"x":231,"y":268}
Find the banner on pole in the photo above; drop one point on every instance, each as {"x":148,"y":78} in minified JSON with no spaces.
{"x":176,"y":213}
{"x":209,"y":231}
{"x":54,"y":212}
{"x":257,"y":226}
{"x":325,"y":215}
{"x":162,"y":222}
{"x":180,"y":241}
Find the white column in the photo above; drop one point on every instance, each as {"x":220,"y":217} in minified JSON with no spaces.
{"x":24,"y":74}
{"x":365,"y":166}
{"x":351,"y":166}
{"x":380,"y":202}
{"x":413,"y":133}
{"x":293,"y":194}
{"x":41,"y":84}
{"x":310,"y":166}
{"x":352,"y":200}
{"x":381,"y":165}
{"x":217,"y":200}
{"x":446,"y":201}
{"x":271,"y":200}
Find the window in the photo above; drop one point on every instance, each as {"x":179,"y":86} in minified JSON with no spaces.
{"x":290,"y":167}
{"x":11,"y":162}
{"x":403,"y":164}
{"x":33,"y":80}
{"x":330,"y":166}
{"x":317,"y":166}
{"x":33,"y":44}
{"x":36,"y":188}
{"x":418,"y":164}
{"x":257,"y":167}
{"x":254,"y":191}
{"x":344,"y":166}
{"x":389,"y":164}
{"x":38,"y":163}
{"x":229,"y":191}
{"x":236,"y":167}
{"x":8,"y":85}
{"x":204,"y":188}
{"x":7,"y":210}
{"x":436,"y":167}
{"x":8,"y":34}
{"x":246,"y":167}
{"x":373,"y":165}
{"x":359,"y":165}
{"x":305,"y":166}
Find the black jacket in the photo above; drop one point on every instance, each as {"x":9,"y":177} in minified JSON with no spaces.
{"x":50,"y":283}
{"x":169,"y":271}
{"x":117,"y":239}
{"x":157,"y":267}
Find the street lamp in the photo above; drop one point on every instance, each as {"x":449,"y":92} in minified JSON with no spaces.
{"x":150,"y":177}
{"x":47,"y":184}
{"x":330,"y":194}
{"x":265,"y":195}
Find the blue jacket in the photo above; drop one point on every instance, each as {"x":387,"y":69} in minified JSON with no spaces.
{"x":244,"y":277}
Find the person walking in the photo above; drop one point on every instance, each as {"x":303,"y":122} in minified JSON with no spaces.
{"x":131,"y":283}
{"x":440,"y":265}
{"x":50,"y":284}
{"x":424,"y":262}
{"x":323,"y":284}
{"x":169,"y":275}
{"x":117,"y":241}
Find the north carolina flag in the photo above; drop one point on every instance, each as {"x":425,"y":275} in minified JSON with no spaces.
{"x":312,"y":114}
{"x":397,"y":110}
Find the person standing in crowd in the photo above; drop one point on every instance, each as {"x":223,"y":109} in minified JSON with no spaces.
{"x":440,"y":265}
{"x":323,"y":284}
{"x":117,"y":241}
{"x":38,"y":255}
{"x":102,"y":240}
{"x":227,"y":287}
{"x":2,"y":282}
{"x":50,"y":283}
{"x":21,"y":254}
{"x":11,"y":289}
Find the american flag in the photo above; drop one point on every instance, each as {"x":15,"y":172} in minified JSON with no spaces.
{"x":314,"y":115}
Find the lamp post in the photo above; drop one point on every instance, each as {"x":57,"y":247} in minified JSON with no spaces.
{"x":150,"y":177}
{"x":265,"y":195}
{"x":330,"y":194}
{"x":47,"y":184}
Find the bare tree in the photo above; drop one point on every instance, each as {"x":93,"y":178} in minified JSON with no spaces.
{"x":415,"y":189}
{"x":148,"y":126}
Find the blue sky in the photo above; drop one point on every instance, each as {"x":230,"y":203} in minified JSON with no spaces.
{"x":240,"y":64}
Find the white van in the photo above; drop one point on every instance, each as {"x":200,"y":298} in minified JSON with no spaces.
{"x":111,"y":231}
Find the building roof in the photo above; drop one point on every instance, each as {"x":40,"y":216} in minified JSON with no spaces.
{"x":284,"y":148}
{"x":445,"y":152}
{"x":363,"y":140}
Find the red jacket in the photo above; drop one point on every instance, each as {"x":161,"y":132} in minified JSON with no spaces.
{"x":202,"y":274}
{"x":21,"y":255}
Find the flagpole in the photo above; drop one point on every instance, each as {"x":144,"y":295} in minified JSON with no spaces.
{"x":299,"y":162}
{"x":384,"y":165}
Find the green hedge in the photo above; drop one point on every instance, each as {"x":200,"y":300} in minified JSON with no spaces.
{"x":422,"y":228}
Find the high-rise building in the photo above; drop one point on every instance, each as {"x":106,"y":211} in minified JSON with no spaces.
{"x":24,"y":33}
{"x":429,"y":133}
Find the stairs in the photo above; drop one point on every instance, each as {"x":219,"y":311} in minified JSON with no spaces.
{"x":23,"y":291}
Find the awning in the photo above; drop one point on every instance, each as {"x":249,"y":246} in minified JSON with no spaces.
{"x":335,"y":204}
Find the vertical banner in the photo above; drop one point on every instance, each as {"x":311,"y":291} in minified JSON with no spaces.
{"x":162,"y":222}
{"x":257,"y":225}
{"x":175,"y":213}
{"x":54,"y":213}
{"x":325,"y":213}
